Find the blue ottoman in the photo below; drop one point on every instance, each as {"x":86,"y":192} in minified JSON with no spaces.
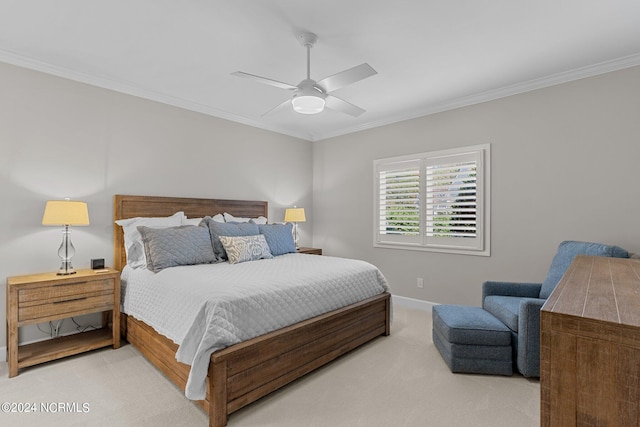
{"x":471,"y":340}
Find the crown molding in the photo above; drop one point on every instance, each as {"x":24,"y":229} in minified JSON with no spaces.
{"x":128,"y":88}
{"x":135,"y":90}
{"x":503,"y":92}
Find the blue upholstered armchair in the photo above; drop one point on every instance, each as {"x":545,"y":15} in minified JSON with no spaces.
{"x":518,"y":305}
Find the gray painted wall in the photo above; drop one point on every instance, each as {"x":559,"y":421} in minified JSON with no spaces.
{"x":565,"y":165}
{"x":60,"y":138}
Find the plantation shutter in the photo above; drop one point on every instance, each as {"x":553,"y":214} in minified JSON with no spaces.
{"x":399,"y":201}
{"x":453,"y":203}
{"x":436,"y":201}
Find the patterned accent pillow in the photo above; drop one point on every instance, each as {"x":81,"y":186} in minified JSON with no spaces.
{"x":173,"y":246}
{"x":245,"y":248}
{"x":279,"y":238}
{"x":233,"y":229}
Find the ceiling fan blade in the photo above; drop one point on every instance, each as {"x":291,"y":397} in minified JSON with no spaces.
{"x":282,"y":104}
{"x":347,"y":77}
{"x":343,"y":106}
{"x":264,"y":80}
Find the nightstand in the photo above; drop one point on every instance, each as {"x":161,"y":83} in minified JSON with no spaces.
{"x":38,"y":298}
{"x":311,"y":251}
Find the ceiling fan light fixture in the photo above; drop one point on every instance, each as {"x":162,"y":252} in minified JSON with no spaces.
{"x":308,"y":104}
{"x":308,"y":99}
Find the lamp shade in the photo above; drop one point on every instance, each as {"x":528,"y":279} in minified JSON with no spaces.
{"x":294,"y":215}
{"x":65,"y":212}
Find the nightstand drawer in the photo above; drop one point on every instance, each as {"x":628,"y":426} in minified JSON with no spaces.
{"x":66,"y":307}
{"x":63,"y":291}
{"x":310,"y":251}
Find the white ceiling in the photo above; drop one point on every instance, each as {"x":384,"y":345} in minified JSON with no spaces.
{"x":430,"y":55}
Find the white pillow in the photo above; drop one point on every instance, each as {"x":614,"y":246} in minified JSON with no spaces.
{"x":196,"y":221}
{"x":133,"y":245}
{"x":231,"y":218}
{"x":191,"y":221}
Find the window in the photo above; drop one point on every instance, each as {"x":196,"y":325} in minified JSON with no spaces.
{"x":436,"y":201}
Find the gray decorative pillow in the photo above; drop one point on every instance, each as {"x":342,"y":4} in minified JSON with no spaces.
{"x":278,"y":237}
{"x":245,"y":248}
{"x":133,"y":245}
{"x":233,"y":229}
{"x":173,"y":246}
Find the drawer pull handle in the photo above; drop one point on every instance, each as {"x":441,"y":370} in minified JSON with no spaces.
{"x":69,"y":300}
{"x":68,"y":284}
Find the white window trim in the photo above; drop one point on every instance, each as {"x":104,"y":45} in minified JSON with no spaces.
{"x":431,"y":245}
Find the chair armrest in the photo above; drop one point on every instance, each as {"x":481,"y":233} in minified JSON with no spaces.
{"x":529,"y":336}
{"x":511,"y":289}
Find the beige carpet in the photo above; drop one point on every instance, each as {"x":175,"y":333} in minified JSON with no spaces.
{"x":394,"y":381}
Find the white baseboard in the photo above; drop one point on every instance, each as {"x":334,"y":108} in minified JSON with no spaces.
{"x":413,"y":303}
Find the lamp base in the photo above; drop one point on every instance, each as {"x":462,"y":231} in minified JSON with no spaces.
{"x":66,"y":251}
{"x":65,"y":269}
{"x":295,"y":234}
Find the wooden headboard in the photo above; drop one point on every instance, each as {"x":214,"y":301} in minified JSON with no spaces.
{"x":152,"y":206}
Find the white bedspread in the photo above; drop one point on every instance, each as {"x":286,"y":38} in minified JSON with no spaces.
{"x":204,"y":308}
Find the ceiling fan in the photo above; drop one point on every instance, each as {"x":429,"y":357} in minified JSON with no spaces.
{"x":311,"y":97}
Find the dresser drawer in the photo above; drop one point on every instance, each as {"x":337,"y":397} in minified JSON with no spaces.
{"x":63,"y":291}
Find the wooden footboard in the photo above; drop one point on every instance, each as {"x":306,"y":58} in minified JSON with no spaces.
{"x":160,"y":351}
{"x":247,"y":371}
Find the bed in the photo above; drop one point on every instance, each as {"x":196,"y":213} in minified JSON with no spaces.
{"x":243,"y":373}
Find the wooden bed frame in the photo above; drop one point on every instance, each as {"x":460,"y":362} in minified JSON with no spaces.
{"x":245,"y":372}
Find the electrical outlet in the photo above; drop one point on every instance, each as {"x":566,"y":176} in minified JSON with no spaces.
{"x":420,"y":283}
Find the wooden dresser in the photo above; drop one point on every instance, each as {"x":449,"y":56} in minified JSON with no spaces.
{"x":590,"y":345}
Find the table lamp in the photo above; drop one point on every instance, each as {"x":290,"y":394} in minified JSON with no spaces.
{"x":294,"y":215}
{"x":65,"y":213}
